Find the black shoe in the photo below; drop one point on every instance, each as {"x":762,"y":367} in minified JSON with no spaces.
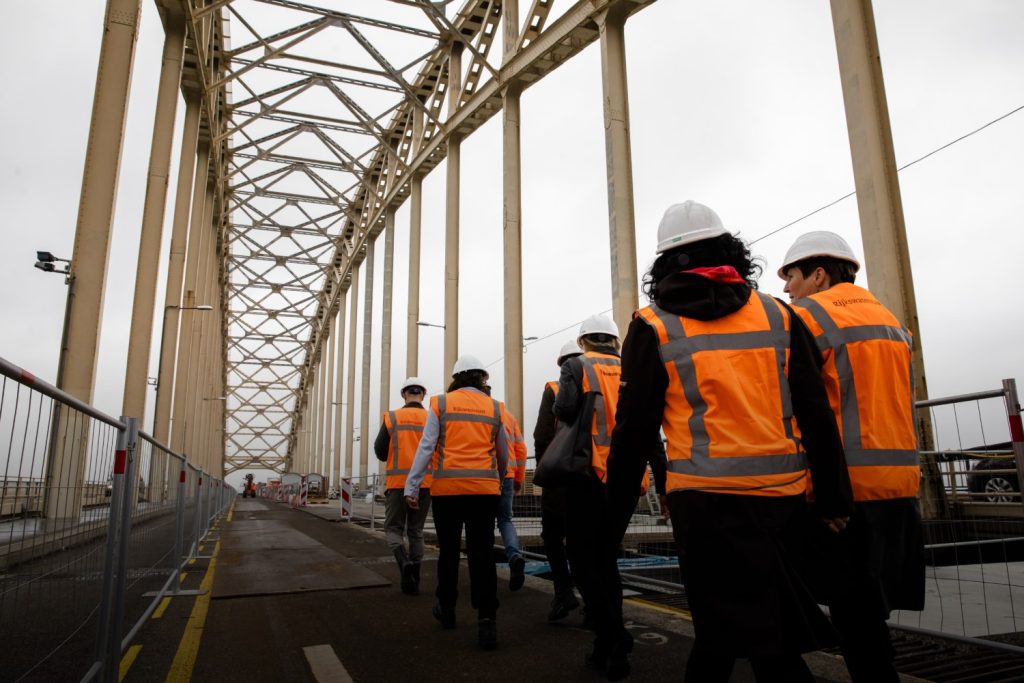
{"x":487,"y":634}
{"x":416,"y":577}
{"x":517,"y":567}
{"x":446,"y":617}
{"x":409,"y":586}
{"x":561,"y":605}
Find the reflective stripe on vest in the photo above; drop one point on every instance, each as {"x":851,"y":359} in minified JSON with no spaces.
{"x":603,"y":437}
{"x":679,"y":350}
{"x":838,"y":339}
{"x":400,"y":423}
{"x":444,"y":418}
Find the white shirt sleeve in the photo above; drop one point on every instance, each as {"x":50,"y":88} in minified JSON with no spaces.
{"x":424,"y":453}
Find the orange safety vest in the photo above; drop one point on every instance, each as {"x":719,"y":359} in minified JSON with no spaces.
{"x":601,"y":375}
{"x":553,"y":386}
{"x":405,"y":427}
{"x":728,"y":414}
{"x":465,"y":459}
{"x":870,"y":385}
{"x":516,"y":447}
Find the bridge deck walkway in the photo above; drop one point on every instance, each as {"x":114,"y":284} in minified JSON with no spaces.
{"x":294,"y":596}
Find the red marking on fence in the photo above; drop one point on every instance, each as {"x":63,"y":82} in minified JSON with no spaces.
{"x":181,"y":477}
{"x":200,"y":481}
{"x":120,"y":461}
{"x":27,"y":377}
{"x":1016,"y":428}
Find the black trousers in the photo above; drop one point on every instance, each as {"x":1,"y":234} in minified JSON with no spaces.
{"x":477,"y":514}
{"x":593,"y":558}
{"x":552,"y":522}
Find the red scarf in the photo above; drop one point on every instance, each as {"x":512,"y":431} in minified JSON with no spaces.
{"x":724,"y":274}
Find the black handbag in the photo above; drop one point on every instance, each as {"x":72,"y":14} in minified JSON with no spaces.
{"x":567,"y":458}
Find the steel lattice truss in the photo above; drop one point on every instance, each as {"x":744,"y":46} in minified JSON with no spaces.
{"x":321,"y":115}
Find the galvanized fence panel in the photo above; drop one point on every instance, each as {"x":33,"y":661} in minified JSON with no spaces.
{"x":57,"y":458}
{"x":975,"y":551}
{"x":96,"y":521}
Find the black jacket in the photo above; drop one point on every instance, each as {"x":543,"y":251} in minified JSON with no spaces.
{"x":644,"y":382}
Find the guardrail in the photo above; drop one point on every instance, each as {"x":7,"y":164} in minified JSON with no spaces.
{"x":96,"y":521}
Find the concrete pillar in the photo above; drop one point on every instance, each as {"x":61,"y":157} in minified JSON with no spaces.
{"x":511,"y":175}
{"x":385,"y":318}
{"x":451,"y":236}
{"x":364,"y":405}
{"x":196,"y":239}
{"x":141,"y":334}
{"x":412,"y":347}
{"x":351,"y":393}
{"x":187,"y":165}
{"x":77,"y":362}
{"x":879,"y":204}
{"x":339,"y":394}
{"x":328,"y":409}
{"x":621,"y":222}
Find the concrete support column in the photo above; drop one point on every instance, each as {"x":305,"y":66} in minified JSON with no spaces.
{"x":451,"y":235}
{"x":879,"y":204}
{"x":350,"y":412}
{"x":187,"y":165}
{"x":328,"y":409}
{"x":621,"y":221}
{"x":141,"y":334}
{"x":364,"y":406}
{"x":196,"y":236}
{"x":412,"y":346}
{"x":513,"y":257}
{"x":77,"y":363}
{"x":198,"y":394}
{"x":339,"y":394}
{"x":385,"y":318}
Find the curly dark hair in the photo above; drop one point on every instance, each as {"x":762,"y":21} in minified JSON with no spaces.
{"x":477,"y":379}
{"x":724,"y":250}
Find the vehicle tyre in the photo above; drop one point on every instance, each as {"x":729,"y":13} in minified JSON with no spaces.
{"x":999,"y":489}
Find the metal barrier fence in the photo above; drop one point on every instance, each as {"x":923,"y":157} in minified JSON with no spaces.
{"x":96,"y":520}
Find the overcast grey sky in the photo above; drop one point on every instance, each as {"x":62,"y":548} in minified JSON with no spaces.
{"x":736,"y":105}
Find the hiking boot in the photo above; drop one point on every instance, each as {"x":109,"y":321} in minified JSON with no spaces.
{"x":517,"y":575}
{"x":487,"y":634}
{"x":410,"y":586}
{"x":561,"y":605}
{"x":445,"y":616}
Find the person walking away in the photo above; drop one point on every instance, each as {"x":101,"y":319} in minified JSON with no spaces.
{"x":464,"y":445}
{"x":395,"y":445}
{"x":593,"y":559}
{"x":877,"y":564}
{"x":724,"y":370}
{"x":511,"y":486}
{"x":552,"y":498}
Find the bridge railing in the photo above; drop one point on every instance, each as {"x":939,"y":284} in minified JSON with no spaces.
{"x":96,"y":522}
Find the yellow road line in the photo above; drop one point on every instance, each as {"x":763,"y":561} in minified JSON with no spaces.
{"x":188,"y":648}
{"x":685,"y":614}
{"x":127,"y":660}
{"x":161,"y":608}
{"x":181,"y":577}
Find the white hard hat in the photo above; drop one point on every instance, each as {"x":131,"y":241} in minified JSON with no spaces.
{"x":413,"y":382}
{"x":468,"y":362}
{"x":598,"y":324}
{"x":687,"y":223}
{"x":569,"y":349}
{"x":818,"y":243}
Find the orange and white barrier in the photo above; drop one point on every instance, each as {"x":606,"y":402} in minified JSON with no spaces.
{"x":303,"y":492}
{"x":346,"y":499}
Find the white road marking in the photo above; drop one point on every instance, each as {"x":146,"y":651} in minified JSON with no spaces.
{"x":326,"y":666}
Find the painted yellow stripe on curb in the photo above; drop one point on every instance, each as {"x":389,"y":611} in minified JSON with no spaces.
{"x":181,"y":577}
{"x":161,"y":608}
{"x":128,"y":660}
{"x":674,"y":611}
{"x":188,"y":648}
